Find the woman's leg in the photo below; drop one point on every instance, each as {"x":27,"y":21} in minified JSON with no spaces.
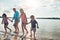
{"x":22,"y":29}
{"x":25,"y":28}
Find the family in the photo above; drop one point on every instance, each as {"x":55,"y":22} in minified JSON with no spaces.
{"x":16,"y":18}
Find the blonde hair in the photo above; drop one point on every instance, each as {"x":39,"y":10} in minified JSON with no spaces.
{"x":21,"y":10}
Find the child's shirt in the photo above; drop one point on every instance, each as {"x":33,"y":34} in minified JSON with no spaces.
{"x":33,"y":23}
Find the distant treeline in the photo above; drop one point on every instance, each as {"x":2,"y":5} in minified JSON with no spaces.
{"x":8,"y":17}
{"x":39,"y":18}
{"x":48,"y":18}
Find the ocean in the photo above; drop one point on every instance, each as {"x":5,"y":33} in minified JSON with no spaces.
{"x":48,"y":28}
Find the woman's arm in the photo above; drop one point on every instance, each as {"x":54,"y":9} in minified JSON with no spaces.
{"x":29,"y":22}
{"x":20,"y":15}
{"x":25,"y":17}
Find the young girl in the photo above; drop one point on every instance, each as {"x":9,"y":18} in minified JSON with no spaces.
{"x":5,"y":22}
{"x":24,"y":20}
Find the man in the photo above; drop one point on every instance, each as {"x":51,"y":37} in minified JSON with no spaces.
{"x":16,"y":20}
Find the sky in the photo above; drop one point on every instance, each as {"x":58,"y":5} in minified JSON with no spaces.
{"x":38,"y":8}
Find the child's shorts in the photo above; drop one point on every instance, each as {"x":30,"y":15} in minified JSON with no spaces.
{"x":33,"y":29}
{"x":5,"y":23}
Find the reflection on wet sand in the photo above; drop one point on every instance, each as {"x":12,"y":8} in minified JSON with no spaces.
{"x":17,"y":37}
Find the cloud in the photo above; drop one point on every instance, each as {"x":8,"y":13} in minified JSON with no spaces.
{"x":39,"y":8}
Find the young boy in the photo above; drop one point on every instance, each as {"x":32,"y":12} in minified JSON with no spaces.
{"x":33,"y":25}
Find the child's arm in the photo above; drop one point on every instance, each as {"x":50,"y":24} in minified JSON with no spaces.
{"x":29,"y":22}
{"x":37,"y":25}
{"x":9,"y":20}
{"x":2,"y":21}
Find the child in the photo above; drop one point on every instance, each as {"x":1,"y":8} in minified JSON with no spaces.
{"x":33,"y":25}
{"x":24,"y":20}
{"x":16,"y":20}
{"x":5,"y":22}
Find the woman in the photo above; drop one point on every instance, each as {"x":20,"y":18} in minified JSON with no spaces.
{"x":24,"y":20}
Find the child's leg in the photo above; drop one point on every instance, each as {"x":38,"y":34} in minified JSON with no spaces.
{"x":34,"y":35}
{"x":34,"y":30}
{"x":9,"y":29}
{"x":5,"y":28}
{"x":31,"y":32}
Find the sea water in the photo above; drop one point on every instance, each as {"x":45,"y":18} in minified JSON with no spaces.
{"x":49,"y":28}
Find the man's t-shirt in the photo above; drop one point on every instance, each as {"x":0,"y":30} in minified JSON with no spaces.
{"x":16,"y":16}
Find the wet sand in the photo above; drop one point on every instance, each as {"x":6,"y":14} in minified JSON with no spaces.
{"x":42,"y":36}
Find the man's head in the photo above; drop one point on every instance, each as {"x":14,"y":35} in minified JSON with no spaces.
{"x":14,"y":9}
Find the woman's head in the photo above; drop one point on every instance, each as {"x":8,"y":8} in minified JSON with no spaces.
{"x":4,"y":15}
{"x":21,"y":10}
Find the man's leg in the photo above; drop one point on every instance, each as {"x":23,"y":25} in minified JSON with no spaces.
{"x":14,"y":26}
